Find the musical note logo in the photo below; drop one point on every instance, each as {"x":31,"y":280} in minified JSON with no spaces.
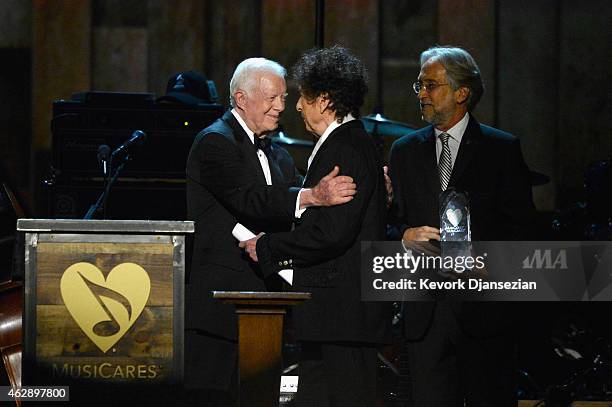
{"x":105,"y":309}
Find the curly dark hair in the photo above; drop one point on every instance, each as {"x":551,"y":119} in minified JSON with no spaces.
{"x":334,"y":71}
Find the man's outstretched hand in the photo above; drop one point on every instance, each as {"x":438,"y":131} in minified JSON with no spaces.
{"x":332,"y":189}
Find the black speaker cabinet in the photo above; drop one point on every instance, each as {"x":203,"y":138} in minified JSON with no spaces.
{"x":152,"y":183}
{"x":80,"y":127}
{"x":128,"y":200}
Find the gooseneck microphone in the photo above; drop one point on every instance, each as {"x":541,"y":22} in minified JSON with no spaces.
{"x":107,"y":159}
{"x":137,"y":139}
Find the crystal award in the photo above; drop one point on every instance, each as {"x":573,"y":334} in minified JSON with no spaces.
{"x":455,"y":232}
{"x":454,"y":216}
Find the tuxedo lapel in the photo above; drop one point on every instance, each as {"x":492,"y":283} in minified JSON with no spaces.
{"x":246,"y":146}
{"x":311,"y":169}
{"x":467,"y":150}
{"x":326,"y":144}
{"x":317,"y":158}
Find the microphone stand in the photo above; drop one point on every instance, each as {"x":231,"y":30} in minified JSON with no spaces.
{"x":109,"y":181}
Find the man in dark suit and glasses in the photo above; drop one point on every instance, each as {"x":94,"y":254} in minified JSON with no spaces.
{"x":459,"y":352}
{"x":235,"y":176}
{"x":339,"y":334}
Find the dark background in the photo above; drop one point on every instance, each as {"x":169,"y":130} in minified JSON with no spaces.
{"x":545,"y":64}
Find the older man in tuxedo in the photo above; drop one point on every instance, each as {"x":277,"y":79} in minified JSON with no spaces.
{"x":459,"y":352}
{"x":235,"y":176}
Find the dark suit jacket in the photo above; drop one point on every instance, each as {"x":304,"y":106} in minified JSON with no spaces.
{"x":490,"y":168}
{"x":226,"y":185}
{"x":325,"y":246}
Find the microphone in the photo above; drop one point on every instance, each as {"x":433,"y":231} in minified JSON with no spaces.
{"x":104,"y":152}
{"x":137,"y":139}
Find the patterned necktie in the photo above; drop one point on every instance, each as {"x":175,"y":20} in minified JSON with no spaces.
{"x":445,"y":164}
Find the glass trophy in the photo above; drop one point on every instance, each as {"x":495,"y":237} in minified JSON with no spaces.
{"x":455,"y":231}
{"x":454,"y":216}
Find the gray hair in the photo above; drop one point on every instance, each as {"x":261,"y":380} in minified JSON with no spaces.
{"x":461,"y":70}
{"x":244,"y":75}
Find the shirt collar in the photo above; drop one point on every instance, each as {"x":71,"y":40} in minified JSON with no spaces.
{"x":456,"y":132}
{"x":244,"y":126}
{"x":333,"y":126}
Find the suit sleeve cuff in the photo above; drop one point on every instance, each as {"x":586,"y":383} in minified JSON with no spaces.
{"x":264,"y":255}
{"x":268,"y":261}
{"x":298,"y":212}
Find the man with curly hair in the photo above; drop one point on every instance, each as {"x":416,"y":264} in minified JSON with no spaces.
{"x":339,"y":334}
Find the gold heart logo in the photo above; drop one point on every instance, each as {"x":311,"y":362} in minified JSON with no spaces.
{"x":105,"y":308}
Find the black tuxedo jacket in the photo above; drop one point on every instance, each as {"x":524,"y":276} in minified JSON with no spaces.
{"x":325,"y":246}
{"x":226,"y":185}
{"x":490,"y":168}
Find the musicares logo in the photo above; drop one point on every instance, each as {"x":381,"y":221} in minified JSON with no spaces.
{"x":105,"y":308}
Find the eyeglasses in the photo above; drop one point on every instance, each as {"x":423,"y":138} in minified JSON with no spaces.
{"x":427,"y":87}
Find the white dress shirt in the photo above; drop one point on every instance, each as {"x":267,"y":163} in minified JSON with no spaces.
{"x":263,"y":160}
{"x":454,"y":141}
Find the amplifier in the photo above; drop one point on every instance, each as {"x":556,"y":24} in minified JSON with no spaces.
{"x":80,"y":126}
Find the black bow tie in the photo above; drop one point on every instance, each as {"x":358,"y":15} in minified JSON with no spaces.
{"x":263,"y":143}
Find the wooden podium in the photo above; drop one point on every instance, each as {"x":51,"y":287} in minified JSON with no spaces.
{"x":260,"y":337}
{"x":103,"y":301}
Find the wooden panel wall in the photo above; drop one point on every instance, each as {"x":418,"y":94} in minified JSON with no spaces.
{"x":234,"y":30}
{"x":407,"y":28}
{"x":354,"y":24}
{"x":471,"y":24}
{"x":61,"y":57}
{"x":584,"y":89}
{"x":557,"y":49}
{"x":15,"y":21}
{"x":176,"y":40}
{"x":528,"y":65}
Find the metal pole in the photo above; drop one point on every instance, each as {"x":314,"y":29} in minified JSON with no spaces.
{"x":320,"y":24}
